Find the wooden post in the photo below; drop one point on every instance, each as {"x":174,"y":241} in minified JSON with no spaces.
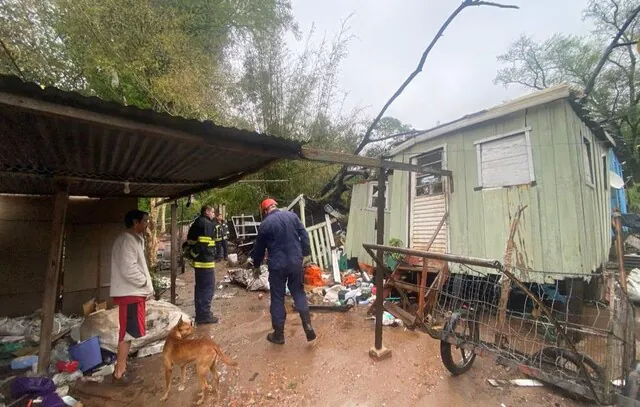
{"x":617,"y":223}
{"x":99,"y":270}
{"x":174,"y":249}
{"x":423,"y":283}
{"x":51,"y":276}
{"x":379,"y":352}
{"x":505,"y":289}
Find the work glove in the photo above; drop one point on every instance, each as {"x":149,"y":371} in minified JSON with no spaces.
{"x":306,"y":260}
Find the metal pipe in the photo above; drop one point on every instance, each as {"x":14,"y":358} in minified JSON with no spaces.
{"x":472,"y":261}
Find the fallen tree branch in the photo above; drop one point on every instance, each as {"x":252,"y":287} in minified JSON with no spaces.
{"x":404,"y":133}
{"x":605,"y":55}
{"x":338,"y":179}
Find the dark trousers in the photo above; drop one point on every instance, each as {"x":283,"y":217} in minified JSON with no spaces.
{"x":221,"y":250}
{"x":278,"y":281}
{"x":205,"y":286}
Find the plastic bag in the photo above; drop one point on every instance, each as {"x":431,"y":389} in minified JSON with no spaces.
{"x":633,"y":285}
{"x":38,"y":386}
{"x":160,"y":317}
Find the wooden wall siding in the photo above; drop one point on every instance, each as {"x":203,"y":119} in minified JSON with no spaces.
{"x":25,"y":233}
{"x":362,"y":222}
{"x":566,"y":225}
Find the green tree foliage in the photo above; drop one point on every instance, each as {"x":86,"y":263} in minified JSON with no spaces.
{"x":225,"y":61}
{"x":614,"y":98}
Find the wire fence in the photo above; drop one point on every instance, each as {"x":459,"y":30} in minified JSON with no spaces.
{"x":589,"y":347}
{"x":556,"y":330}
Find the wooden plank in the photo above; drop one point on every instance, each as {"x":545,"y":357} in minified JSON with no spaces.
{"x":51,"y":276}
{"x":407,"y":318}
{"x":405,"y":286}
{"x":174,"y":249}
{"x":423,"y":283}
{"x":505,"y":289}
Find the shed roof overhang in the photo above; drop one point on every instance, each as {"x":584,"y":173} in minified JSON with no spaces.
{"x":98,"y":146}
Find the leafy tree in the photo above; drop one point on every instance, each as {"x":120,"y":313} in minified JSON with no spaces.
{"x":605,"y":70}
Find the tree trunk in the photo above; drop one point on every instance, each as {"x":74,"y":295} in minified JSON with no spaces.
{"x":151,"y":237}
{"x":162,"y":218}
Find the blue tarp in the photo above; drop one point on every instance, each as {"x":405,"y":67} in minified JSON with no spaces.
{"x":618,"y":196}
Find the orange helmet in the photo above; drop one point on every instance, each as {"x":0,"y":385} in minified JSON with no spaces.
{"x":267,"y":203}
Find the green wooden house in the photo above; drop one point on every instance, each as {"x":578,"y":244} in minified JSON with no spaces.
{"x":540,"y":150}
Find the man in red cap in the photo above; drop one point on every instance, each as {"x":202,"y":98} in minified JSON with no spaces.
{"x":283,"y":235}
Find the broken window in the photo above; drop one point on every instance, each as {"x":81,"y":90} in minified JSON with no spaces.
{"x":429,"y":184}
{"x":588,"y":161}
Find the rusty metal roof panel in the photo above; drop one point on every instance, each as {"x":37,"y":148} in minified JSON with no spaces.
{"x":49,"y":133}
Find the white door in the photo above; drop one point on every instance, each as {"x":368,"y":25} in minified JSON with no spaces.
{"x":428,"y":204}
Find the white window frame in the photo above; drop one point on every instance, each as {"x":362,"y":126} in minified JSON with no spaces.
{"x":387,"y":196}
{"x":478,"y":144}
{"x":590,"y":160}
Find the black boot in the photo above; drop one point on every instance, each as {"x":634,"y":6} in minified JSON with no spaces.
{"x":306,"y":325}
{"x":277,"y":336}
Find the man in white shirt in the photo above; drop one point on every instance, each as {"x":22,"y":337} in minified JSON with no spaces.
{"x":130,"y":288}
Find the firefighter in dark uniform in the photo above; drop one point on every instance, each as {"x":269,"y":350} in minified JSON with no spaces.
{"x":200,"y":250}
{"x":223,"y":235}
{"x":285,"y":238}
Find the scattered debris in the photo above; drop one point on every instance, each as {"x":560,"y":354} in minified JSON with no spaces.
{"x":515,"y":382}
{"x":161,"y":316}
{"x":245,"y":278}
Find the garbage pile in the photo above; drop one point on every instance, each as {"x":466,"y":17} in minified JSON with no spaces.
{"x":83,"y":350}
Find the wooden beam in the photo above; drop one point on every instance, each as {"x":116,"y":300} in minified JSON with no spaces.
{"x":313,"y":154}
{"x":51,"y":277}
{"x":174,"y":249}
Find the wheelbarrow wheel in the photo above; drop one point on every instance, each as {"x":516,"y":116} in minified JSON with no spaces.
{"x":456,"y":359}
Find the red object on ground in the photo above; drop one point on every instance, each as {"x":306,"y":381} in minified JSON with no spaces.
{"x":349,"y":280}
{"x":313,"y":276}
{"x":68,"y":367}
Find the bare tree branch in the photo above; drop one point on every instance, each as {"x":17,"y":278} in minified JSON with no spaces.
{"x":404,"y":133}
{"x":605,"y":56}
{"x":338,"y":179}
{"x":425,"y":54}
{"x":13,"y":61}
{"x":625,"y":44}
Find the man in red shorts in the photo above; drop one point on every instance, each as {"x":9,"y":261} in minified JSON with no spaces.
{"x":130,"y":288}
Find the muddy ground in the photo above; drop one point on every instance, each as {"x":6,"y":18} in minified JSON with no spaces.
{"x":335,"y":371}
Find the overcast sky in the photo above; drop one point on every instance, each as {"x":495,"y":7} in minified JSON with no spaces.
{"x":458,"y":76}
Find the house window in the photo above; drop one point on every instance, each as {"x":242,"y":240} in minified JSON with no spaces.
{"x":605,"y":172}
{"x":588,"y":161}
{"x":505,"y":161}
{"x":429,"y":184}
{"x":373,"y":195}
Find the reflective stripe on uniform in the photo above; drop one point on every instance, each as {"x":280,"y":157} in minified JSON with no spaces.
{"x":204,"y":239}
{"x":204,"y":265}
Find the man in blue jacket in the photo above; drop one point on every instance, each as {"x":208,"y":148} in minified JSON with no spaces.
{"x":283,"y":235}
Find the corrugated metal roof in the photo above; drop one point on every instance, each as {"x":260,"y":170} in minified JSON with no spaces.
{"x":98,"y":145}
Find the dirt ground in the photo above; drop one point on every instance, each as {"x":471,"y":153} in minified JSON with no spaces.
{"x":335,"y":371}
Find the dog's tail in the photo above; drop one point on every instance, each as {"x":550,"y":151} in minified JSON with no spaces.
{"x":224,"y":359}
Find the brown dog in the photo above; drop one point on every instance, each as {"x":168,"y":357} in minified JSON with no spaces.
{"x":178,"y":350}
